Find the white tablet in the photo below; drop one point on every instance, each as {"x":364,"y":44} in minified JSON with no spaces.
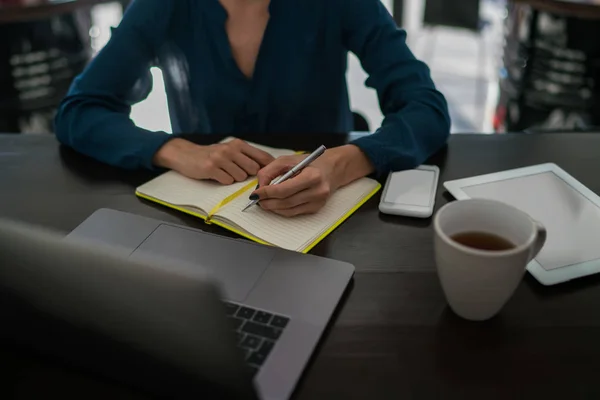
{"x":569,"y":211}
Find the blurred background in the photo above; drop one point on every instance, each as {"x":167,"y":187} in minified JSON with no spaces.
{"x":504,"y":66}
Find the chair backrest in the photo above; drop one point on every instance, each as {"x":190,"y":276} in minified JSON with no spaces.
{"x":549,"y":83}
{"x":38,"y":61}
{"x":360,"y":122}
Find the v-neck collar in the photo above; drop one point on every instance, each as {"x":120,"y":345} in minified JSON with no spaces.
{"x":219,"y":15}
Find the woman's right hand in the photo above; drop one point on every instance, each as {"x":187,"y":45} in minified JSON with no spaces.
{"x":225,"y":163}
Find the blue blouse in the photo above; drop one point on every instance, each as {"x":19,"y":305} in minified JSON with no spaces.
{"x":299,"y":84}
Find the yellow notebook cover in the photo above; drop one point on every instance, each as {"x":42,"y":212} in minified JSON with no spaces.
{"x":221,"y":205}
{"x":247,"y":235}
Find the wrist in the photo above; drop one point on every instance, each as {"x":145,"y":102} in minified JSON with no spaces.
{"x":349,"y":164}
{"x":168,"y":154}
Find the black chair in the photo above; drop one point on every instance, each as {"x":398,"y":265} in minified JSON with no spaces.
{"x":360,"y":122}
{"x":551,"y":73}
{"x":38,"y":61}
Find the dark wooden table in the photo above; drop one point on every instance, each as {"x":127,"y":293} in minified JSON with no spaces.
{"x":393,"y":337}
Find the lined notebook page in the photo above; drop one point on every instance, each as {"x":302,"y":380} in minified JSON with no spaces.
{"x":176,"y":189}
{"x":298,"y":232}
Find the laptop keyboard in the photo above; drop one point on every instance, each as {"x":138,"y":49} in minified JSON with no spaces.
{"x":257,"y":332}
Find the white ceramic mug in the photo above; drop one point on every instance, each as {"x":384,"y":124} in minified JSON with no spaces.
{"x":477,"y":283}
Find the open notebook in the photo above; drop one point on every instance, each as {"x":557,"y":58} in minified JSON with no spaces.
{"x":222,"y":205}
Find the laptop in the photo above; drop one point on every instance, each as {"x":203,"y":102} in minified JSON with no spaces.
{"x":278,"y":302}
{"x":160,"y":326}
{"x":82,"y":312}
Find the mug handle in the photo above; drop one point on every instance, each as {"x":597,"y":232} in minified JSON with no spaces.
{"x":540,"y":240}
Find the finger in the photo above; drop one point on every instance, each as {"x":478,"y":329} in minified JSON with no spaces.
{"x":303,"y":209}
{"x":234,"y":170}
{"x":222,"y":177}
{"x":306,"y":179}
{"x":278,"y":167}
{"x":302,"y":197}
{"x":261,"y":157}
{"x":249,"y":166}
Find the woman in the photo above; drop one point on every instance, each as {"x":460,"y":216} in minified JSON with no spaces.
{"x":268,"y":66}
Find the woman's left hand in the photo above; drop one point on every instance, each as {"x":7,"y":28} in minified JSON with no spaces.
{"x":307,"y":192}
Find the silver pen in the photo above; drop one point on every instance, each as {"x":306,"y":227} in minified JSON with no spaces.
{"x":299,"y":167}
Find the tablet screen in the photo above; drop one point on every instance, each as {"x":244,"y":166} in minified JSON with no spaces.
{"x":572,"y":221}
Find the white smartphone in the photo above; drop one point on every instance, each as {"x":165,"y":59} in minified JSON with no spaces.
{"x":411,"y":193}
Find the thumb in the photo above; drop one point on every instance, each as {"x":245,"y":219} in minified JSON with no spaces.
{"x":277,"y":168}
